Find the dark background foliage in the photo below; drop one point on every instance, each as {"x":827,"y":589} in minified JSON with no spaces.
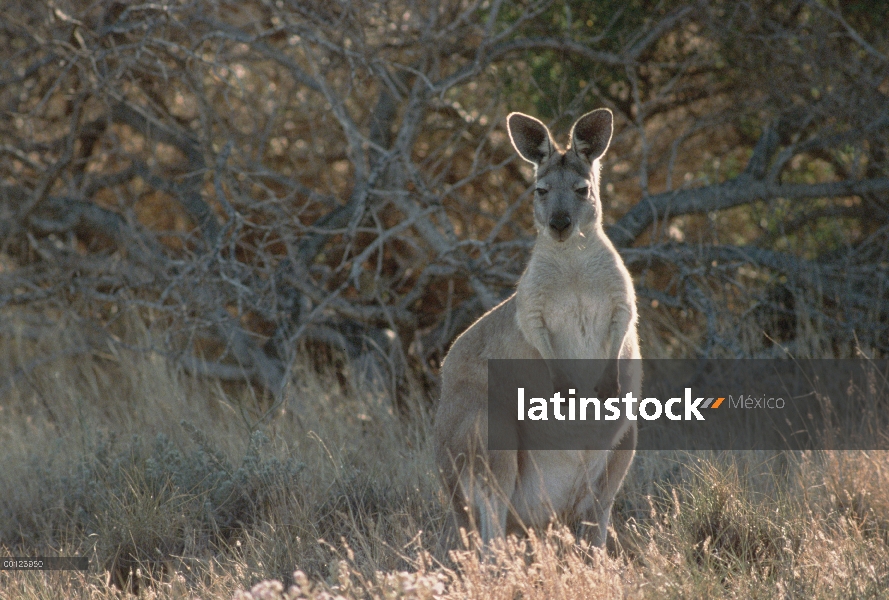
{"x":252,"y":178}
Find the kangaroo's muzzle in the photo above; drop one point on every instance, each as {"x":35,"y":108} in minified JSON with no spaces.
{"x":560,"y":223}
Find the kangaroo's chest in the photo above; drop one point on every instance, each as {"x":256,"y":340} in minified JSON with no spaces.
{"x":573,"y":297}
{"x":578,"y":322}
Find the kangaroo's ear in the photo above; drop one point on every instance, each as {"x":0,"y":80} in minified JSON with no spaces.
{"x":530,"y":138}
{"x":591,"y":134}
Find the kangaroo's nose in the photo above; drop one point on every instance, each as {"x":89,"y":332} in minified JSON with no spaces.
{"x":560,"y":222}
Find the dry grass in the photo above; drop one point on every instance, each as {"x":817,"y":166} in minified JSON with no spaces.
{"x":180,"y":487}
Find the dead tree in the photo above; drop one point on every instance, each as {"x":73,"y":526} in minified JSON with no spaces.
{"x":251,"y":178}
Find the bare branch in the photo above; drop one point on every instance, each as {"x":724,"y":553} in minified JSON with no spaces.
{"x":735,"y":192}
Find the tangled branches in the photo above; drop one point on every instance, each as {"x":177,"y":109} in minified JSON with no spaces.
{"x":253,"y":176}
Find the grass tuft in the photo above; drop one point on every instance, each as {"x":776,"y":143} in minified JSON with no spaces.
{"x":182,"y":487}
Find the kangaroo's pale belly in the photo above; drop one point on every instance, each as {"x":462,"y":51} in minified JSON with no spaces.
{"x":555,"y":483}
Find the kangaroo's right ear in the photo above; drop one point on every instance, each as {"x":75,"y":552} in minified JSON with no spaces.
{"x":530,"y":138}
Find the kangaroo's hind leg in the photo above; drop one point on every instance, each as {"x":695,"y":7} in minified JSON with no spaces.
{"x":594,"y":524}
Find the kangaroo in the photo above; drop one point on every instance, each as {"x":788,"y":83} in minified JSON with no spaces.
{"x":574,"y":300}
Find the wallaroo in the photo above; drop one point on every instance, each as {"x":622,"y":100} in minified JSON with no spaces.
{"x":575,"y":300}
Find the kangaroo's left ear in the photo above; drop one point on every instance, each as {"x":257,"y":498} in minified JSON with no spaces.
{"x":591,"y":134}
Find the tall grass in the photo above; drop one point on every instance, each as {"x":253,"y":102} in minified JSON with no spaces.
{"x":181,"y":487}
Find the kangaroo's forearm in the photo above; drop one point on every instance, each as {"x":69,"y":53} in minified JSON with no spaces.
{"x":620,"y":326}
{"x":537,"y":334}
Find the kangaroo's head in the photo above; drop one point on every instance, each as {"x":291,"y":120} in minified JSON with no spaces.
{"x":566,"y":198}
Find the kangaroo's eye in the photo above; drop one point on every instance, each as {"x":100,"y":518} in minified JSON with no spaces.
{"x":584,"y":191}
{"x":541,"y":191}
